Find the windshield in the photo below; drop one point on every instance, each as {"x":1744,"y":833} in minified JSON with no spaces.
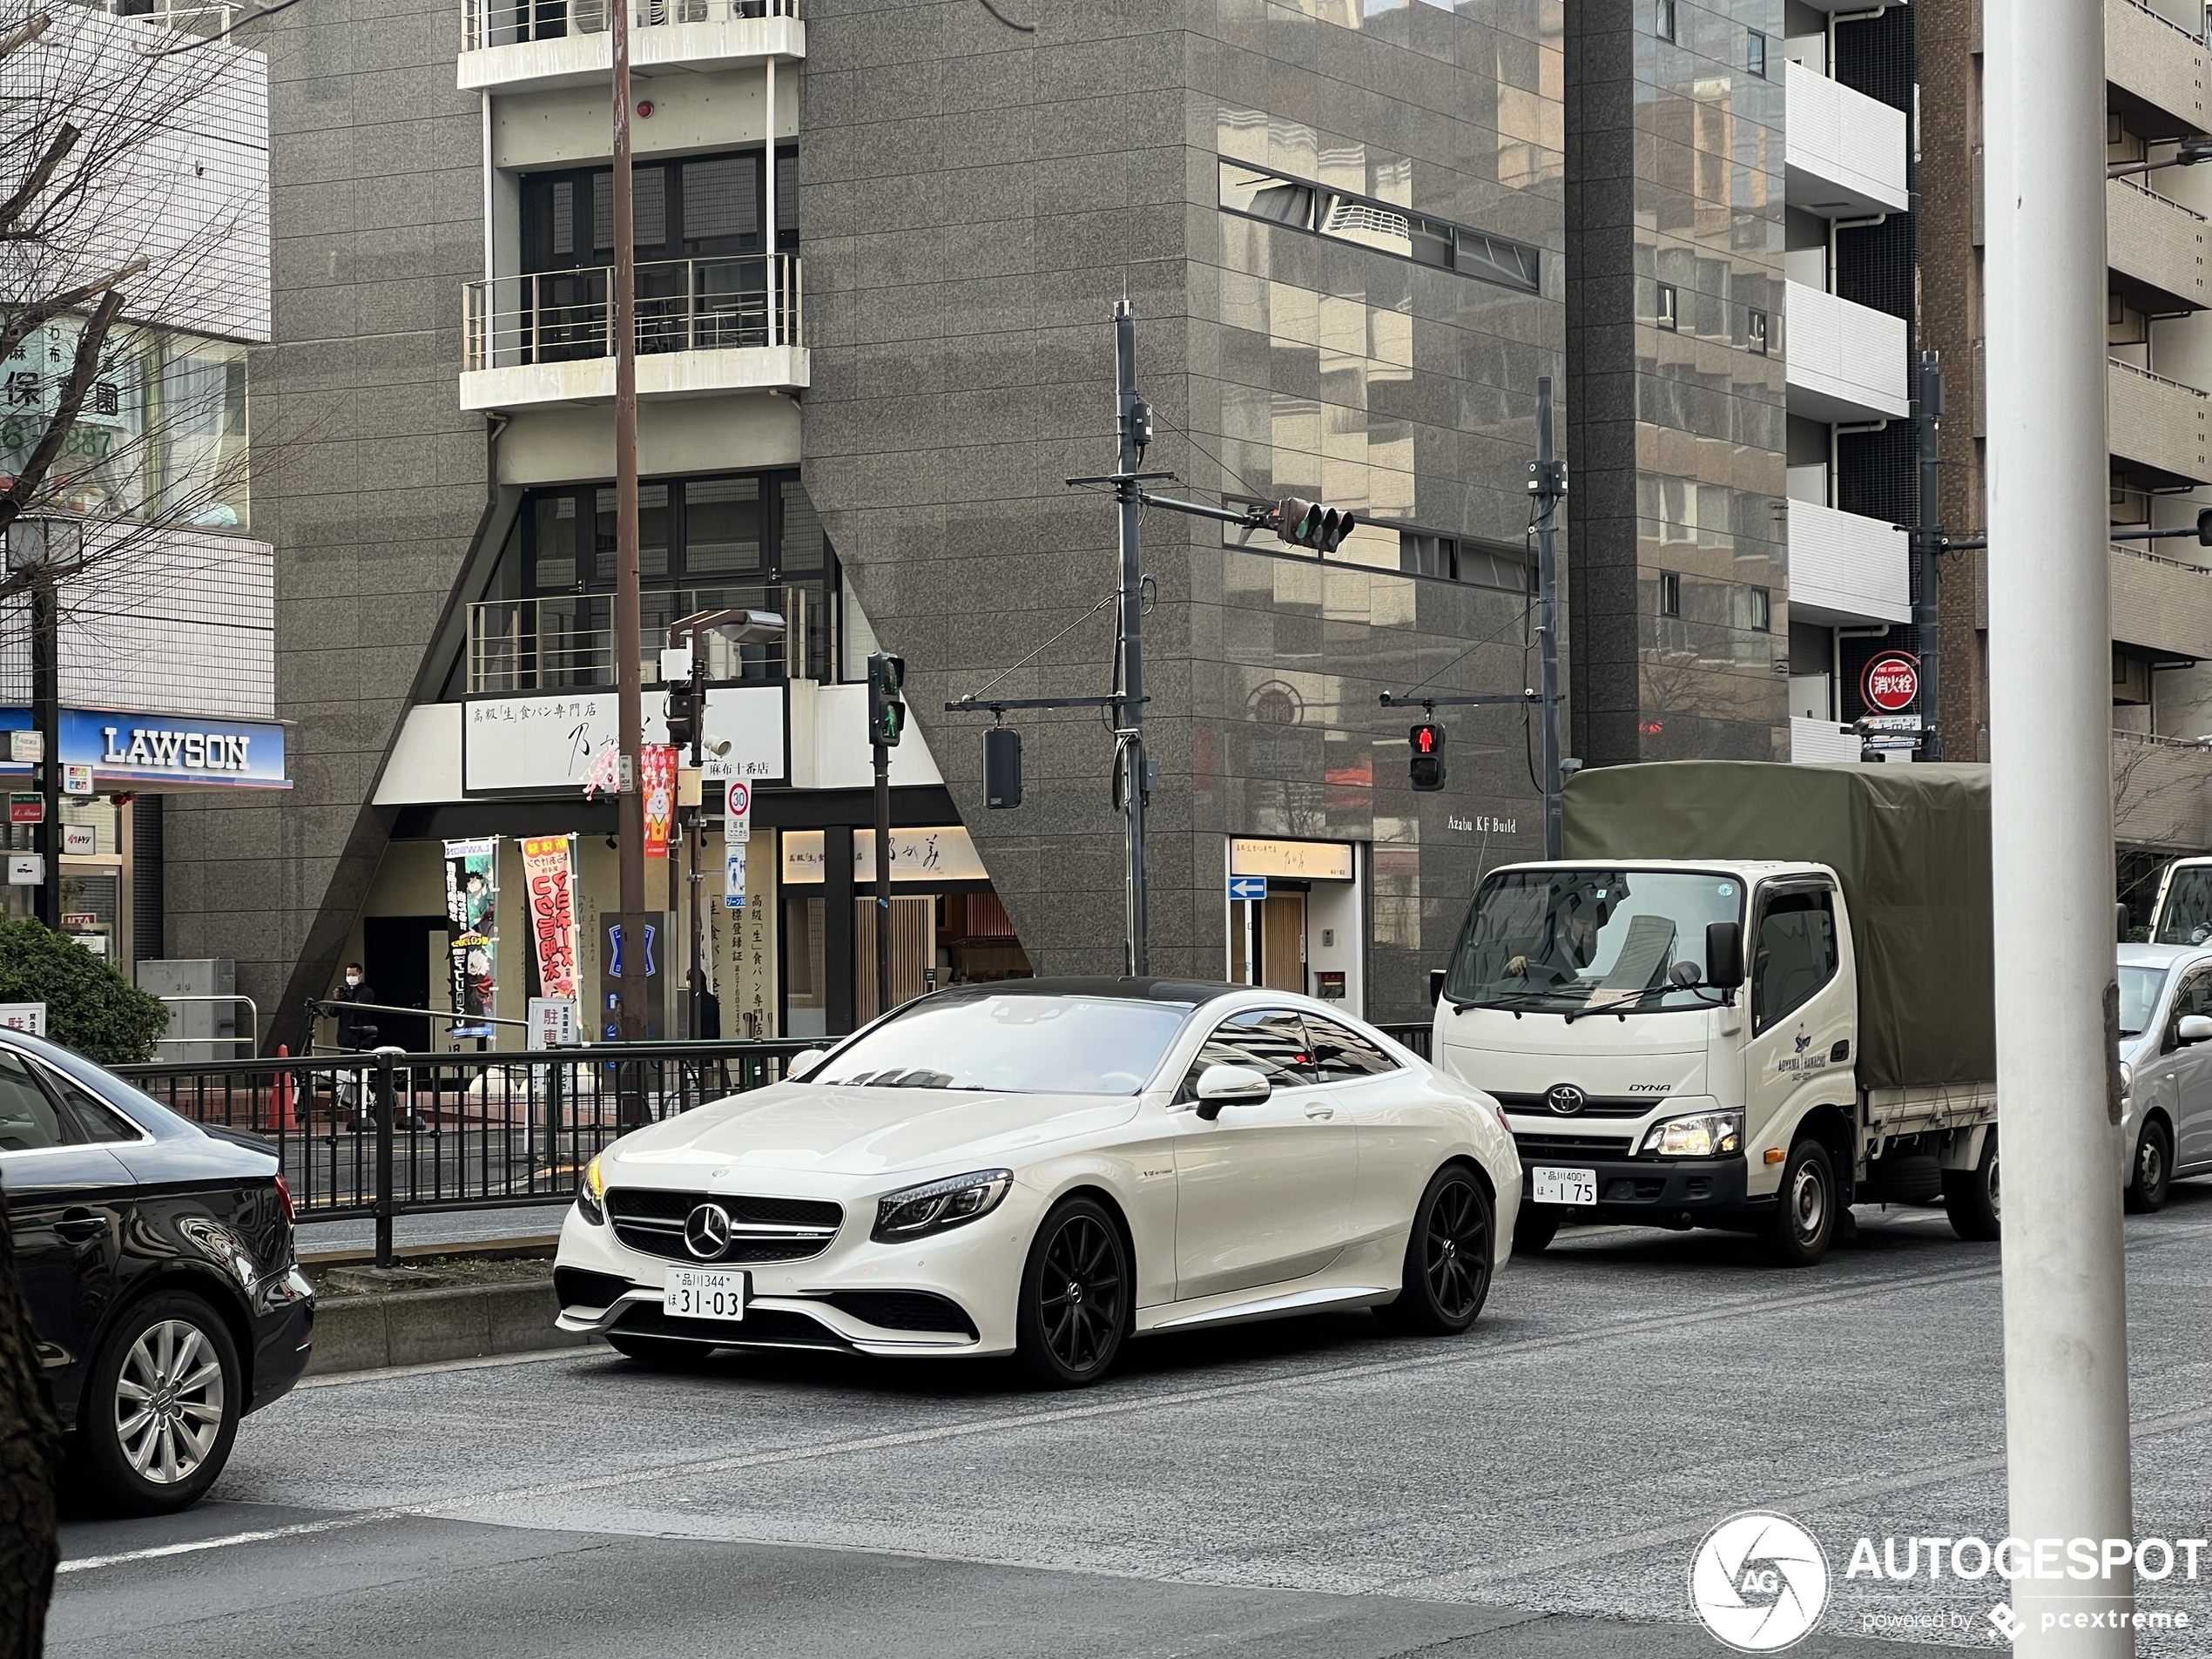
{"x":2186,"y":917}
{"x":1594,"y":939}
{"x":1019,"y":1044}
{"x":2139,"y":991}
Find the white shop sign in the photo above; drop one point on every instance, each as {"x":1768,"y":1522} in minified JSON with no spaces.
{"x":944,"y":854}
{"x":512,"y":744}
{"x":1291,"y":860}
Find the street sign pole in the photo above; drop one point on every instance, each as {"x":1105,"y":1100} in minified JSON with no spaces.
{"x":1546,"y":484}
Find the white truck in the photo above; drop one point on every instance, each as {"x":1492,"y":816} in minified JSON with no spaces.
{"x":1748,"y":996}
{"x":2183,"y":912}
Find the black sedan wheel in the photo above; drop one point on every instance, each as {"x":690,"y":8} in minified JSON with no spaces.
{"x":1448,"y":1259}
{"x":161,"y":1405}
{"x":1075,"y":1296}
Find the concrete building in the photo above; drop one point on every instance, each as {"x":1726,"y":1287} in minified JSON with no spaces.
{"x":879,"y":250}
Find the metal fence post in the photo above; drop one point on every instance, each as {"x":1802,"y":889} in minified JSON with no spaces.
{"x":382,"y":1110}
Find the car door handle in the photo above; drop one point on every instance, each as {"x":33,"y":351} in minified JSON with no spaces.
{"x":79,"y":1225}
{"x":1320,"y":1112}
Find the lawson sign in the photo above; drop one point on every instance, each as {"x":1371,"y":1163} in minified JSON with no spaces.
{"x":181,"y":751}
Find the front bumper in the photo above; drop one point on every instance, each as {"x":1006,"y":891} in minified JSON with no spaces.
{"x":1652,"y":1192}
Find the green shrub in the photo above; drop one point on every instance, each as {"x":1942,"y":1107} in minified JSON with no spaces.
{"x":89,"y":1006}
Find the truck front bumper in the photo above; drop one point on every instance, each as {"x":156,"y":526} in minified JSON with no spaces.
{"x":1653,"y":1192}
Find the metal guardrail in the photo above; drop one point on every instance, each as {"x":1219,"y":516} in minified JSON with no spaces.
{"x":506,"y":23}
{"x":388,"y":1133}
{"x":251,"y":1037}
{"x":741,"y":300}
{"x":561,"y":642}
{"x":1415,"y":1036}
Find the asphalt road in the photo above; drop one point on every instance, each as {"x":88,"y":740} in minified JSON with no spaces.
{"x":1307,"y":1488}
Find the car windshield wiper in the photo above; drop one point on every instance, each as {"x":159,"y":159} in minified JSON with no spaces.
{"x":1512,"y":1000}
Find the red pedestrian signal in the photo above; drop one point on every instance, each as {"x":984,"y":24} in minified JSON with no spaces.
{"x":1426,"y":742}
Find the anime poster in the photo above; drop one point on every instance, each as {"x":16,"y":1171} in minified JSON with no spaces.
{"x":658,"y":763}
{"x":472,"y":932}
{"x":549,"y":878}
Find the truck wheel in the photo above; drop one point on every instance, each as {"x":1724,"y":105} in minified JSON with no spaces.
{"x":1534,"y":1230}
{"x":2151,"y":1171}
{"x":1970,"y":1195}
{"x":1804,"y":1207}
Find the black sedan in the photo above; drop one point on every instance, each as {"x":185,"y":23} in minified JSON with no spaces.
{"x":156,"y":1258}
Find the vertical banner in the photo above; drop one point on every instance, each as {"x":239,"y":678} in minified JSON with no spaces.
{"x":659,"y":764}
{"x":744,"y":943}
{"x":548,"y":876}
{"x":472,"y":932}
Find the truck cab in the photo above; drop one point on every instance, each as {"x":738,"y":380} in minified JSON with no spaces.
{"x":1672,"y":1041}
{"x":2183,"y":912}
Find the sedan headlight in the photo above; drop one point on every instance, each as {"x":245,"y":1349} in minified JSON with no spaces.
{"x":1701,"y":1134}
{"x":918,"y":1212}
{"x":591,"y":1192}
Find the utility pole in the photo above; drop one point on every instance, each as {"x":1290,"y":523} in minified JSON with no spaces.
{"x":1134,"y":423}
{"x":2051,"y":853}
{"x":887,"y":724}
{"x":1927,"y":615}
{"x":46,"y":717}
{"x":1546,"y":486}
{"x":631,"y":721}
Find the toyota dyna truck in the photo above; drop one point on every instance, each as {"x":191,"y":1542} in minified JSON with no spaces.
{"x":2183,"y":912}
{"x":1748,"y":996}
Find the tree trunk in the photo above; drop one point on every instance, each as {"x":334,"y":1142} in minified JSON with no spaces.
{"x":29,"y":1456}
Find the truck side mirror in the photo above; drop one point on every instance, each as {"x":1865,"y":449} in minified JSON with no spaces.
{"x":1435,"y":986}
{"x":2121,"y":909}
{"x":1723,"y":954}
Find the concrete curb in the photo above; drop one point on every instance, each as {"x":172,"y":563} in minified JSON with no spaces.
{"x":416,"y":1327}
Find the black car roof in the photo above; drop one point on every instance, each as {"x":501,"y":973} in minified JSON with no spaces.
{"x":1186,"y":991}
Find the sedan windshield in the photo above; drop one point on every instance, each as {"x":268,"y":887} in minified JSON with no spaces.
{"x":1019,"y":1044}
{"x":2139,"y":992}
{"x":1590,"y":940}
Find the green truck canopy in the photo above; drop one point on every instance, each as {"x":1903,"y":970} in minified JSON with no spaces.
{"x":1912,"y":846}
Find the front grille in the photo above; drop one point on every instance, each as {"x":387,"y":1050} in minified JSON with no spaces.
{"x":905,"y":1311}
{"x":761,"y":1328}
{"x":577,"y":1287}
{"x":762,"y":1229}
{"x":1595,"y":1106}
{"x":1570,"y":1146}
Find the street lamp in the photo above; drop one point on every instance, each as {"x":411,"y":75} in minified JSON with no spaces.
{"x":2188,"y":152}
{"x":687,"y":730}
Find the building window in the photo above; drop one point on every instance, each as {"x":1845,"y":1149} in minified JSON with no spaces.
{"x":1458,"y":559}
{"x":1755,"y":54}
{"x":1669,"y":313}
{"x":700,"y":207}
{"x":1762,"y":611}
{"x":1664,"y":19}
{"x":1669,"y":594}
{"x":1252,"y":192}
{"x":1755,"y":330}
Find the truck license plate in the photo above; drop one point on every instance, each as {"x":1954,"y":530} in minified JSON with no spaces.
{"x":704,"y":1293}
{"x":1562,"y":1186}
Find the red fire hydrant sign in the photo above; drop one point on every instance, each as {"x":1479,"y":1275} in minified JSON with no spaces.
{"x":1892,"y":682}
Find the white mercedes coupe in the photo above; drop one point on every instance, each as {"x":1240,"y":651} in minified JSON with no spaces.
{"x":1046,"y":1168}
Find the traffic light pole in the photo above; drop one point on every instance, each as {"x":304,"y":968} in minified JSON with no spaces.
{"x":1136,"y":781}
{"x":882,"y":757}
{"x":1928,"y":615}
{"x":1546,"y":484}
{"x":630,"y":795}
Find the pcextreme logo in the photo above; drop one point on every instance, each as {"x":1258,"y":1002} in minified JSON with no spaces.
{"x":1759,"y":1582}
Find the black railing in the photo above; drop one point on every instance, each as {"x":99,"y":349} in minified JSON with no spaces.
{"x":1414,"y":1036}
{"x":389,"y":1134}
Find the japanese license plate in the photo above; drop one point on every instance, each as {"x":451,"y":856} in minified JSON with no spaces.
{"x":704,"y":1293}
{"x":1562,"y":1186}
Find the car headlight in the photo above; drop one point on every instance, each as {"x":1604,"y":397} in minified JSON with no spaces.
{"x":591,"y":1192}
{"x":2127,"y":1078}
{"x":1701,"y":1135}
{"x":916,"y":1212}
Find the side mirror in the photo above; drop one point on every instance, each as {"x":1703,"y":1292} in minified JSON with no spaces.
{"x":1224,"y":1085}
{"x":1723,"y":954}
{"x":2195,"y":1027}
{"x":804,"y":1061}
{"x":1436,"y":976}
{"x":2121,"y":910}
{"x":1684,"y":976}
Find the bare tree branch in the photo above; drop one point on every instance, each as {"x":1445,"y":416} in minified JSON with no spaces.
{"x":14,"y":39}
{"x":18,"y":327}
{"x":63,"y":142}
{"x":230,"y":29}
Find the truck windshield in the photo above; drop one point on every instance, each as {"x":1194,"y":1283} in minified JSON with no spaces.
{"x":2186,"y":917}
{"x":2139,"y":990}
{"x":1590,"y":940}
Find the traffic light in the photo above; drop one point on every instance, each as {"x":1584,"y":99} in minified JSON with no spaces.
{"x":1426,"y":742}
{"x":887,"y":701}
{"x":682,"y":719}
{"x":1002,"y":767}
{"x":1306,"y":524}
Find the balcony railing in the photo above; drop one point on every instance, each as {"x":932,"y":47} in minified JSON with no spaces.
{"x":2161,"y":790}
{"x":2155,"y":244}
{"x":506,"y":22}
{"x":193,"y":16}
{"x":2162,"y":604}
{"x":2155,"y":71}
{"x":566,"y":641}
{"x":1846,"y":361}
{"x":1847,"y":151}
{"x":2158,"y":424}
{"x":682,"y":305}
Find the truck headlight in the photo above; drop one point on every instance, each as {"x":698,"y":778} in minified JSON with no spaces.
{"x":916,"y":1212}
{"x":1700,"y":1135}
{"x":2127,"y":1078}
{"x":591,"y":1193}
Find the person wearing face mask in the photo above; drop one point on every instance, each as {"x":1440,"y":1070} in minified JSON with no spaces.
{"x":356,"y":1034}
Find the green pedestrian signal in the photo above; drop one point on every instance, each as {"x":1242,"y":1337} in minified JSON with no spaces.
{"x":886,"y":698}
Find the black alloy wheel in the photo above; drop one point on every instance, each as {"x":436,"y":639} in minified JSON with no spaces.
{"x":1447,"y":1258}
{"x":2151,"y":1173}
{"x":1075,"y":1296}
{"x":160,"y":1406}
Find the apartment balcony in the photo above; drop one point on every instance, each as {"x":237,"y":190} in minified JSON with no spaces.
{"x":2162,"y":791}
{"x":1847,"y":570}
{"x":523,"y":45}
{"x":2156,"y":250}
{"x":702,"y":326}
{"x":566,"y":641}
{"x":2162,"y":605}
{"x":1847,"y":151}
{"x":2157,"y":427}
{"x":1846,"y":361}
{"x":2154,"y":72}
{"x":1818,"y":743}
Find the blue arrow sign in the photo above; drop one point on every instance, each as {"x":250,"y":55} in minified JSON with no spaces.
{"x":1247,"y":886}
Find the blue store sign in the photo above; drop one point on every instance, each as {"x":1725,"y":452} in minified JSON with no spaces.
{"x":180,"y":749}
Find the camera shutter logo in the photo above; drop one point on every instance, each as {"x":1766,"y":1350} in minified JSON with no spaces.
{"x":1760,"y":1583}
